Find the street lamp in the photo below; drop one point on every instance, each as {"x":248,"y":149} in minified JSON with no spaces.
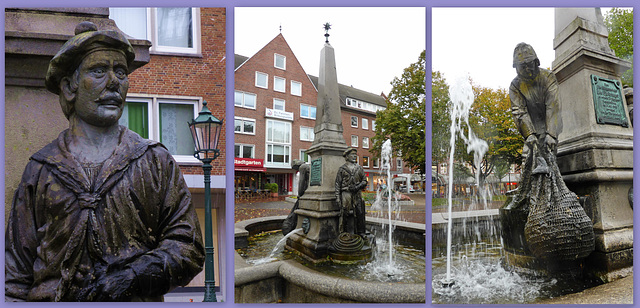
{"x":205,"y":130}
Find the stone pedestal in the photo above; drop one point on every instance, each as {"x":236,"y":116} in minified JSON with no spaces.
{"x":318,"y":211}
{"x":595,"y":156}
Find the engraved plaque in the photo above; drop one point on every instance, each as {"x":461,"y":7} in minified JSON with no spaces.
{"x":608,"y":101}
{"x":315,"y":174}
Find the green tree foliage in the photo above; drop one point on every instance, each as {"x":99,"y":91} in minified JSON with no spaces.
{"x":440,"y":122}
{"x":491,"y":120}
{"x":404,"y":119}
{"x":619,"y":22}
{"x":440,"y":118}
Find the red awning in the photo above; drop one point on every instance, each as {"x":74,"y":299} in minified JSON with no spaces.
{"x":251,"y":169}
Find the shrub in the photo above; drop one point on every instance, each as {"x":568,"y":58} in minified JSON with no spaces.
{"x":272,"y":187}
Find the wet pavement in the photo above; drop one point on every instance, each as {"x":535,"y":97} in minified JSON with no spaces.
{"x":247,"y":210}
{"x":616,"y":292}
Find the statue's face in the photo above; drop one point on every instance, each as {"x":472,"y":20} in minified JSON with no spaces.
{"x":352,"y":157}
{"x":102,"y":88}
{"x":528,"y":70}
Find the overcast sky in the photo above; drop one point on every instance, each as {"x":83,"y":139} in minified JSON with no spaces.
{"x":372,"y":45}
{"x":479,"y":42}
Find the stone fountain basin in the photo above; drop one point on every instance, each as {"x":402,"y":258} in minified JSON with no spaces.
{"x":290,"y":282}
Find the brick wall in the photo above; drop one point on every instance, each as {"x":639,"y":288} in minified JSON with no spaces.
{"x":349,"y":131}
{"x":193,"y":76}
{"x":263,"y":61}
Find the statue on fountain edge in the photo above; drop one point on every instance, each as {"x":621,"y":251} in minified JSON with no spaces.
{"x":557,"y":227}
{"x":350,"y":181}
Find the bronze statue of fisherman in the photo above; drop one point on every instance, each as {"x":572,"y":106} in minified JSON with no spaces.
{"x":350,"y":181}
{"x":557,"y":227}
{"x":100,"y":214}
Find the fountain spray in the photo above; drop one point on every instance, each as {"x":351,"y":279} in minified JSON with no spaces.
{"x":461,"y":95}
{"x":386,"y":164}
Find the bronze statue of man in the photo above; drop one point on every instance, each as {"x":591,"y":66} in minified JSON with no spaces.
{"x":100,"y":214}
{"x":290,"y":222}
{"x":350,"y":181}
{"x":534,"y":100}
{"x":557,"y":227}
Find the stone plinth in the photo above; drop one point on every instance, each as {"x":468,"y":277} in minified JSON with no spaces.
{"x":318,"y":211}
{"x":596,"y":160}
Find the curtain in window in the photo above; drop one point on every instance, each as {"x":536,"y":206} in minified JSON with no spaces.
{"x":174,"y":130}
{"x":135,"y":116}
{"x":174,"y":27}
{"x":132,"y":21}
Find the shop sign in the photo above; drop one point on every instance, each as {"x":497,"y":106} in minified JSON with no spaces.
{"x":278,"y":114}
{"x":247,"y":162}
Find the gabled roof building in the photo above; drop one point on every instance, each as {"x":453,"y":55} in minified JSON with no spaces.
{"x":275,"y":111}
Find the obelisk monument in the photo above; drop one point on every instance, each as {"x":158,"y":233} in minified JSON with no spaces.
{"x":318,"y":212}
{"x":595,"y":148}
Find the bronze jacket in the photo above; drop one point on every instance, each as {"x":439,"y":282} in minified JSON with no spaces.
{"x":64,"y":233}
{"x":535,"y":106}
{"x":352,"y":180}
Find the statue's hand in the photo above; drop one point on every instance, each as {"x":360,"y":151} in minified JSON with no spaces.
{"x":551,"y":143}
{"x":117,"y":286}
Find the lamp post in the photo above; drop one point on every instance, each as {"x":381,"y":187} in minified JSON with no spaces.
{"x":205,"y":130}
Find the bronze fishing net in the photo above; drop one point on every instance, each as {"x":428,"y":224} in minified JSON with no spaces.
{"x":557,"y":227}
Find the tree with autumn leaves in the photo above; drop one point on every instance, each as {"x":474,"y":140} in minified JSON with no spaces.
{"x":404,"y":122}
{"x":491,"y":120}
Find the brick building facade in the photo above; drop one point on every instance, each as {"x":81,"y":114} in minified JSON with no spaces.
{"x":182,"y":73}
{"x":274,"y":98}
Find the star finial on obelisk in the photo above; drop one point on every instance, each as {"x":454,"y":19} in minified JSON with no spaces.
{"x":327,"y":27}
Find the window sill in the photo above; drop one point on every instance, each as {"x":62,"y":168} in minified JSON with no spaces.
{"x":254,"y":108}
{"x":187,"y":160}
{"x":175,"y":53}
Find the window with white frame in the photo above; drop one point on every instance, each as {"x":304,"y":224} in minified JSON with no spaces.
{"x":304,"y":156}
{"x":376,"y":163}
{"x":296,"y":88}
{"x":164,"y":120}
{"x":245,"y":100}
{"x":170,"y":29}
{"x":278,"y":143}
{"x":136,"y":115}
{"x":365,"y":161}
{"x":373,"y":124}
{"x":365,"y":123}
{"x":352,"y":102}
{"x":365,"y":142}
{"x":244,"y":150}
{"x":279,"y":84}
{"x":307,"y":112}
{"x":306,"y":133}
{"x":354,"y":121}
{"x":354,"y":141}
{"x":262,"y":80}
{"x":278,"y":104}
{"x":244,"y":126}
{"x":280,"y":61}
